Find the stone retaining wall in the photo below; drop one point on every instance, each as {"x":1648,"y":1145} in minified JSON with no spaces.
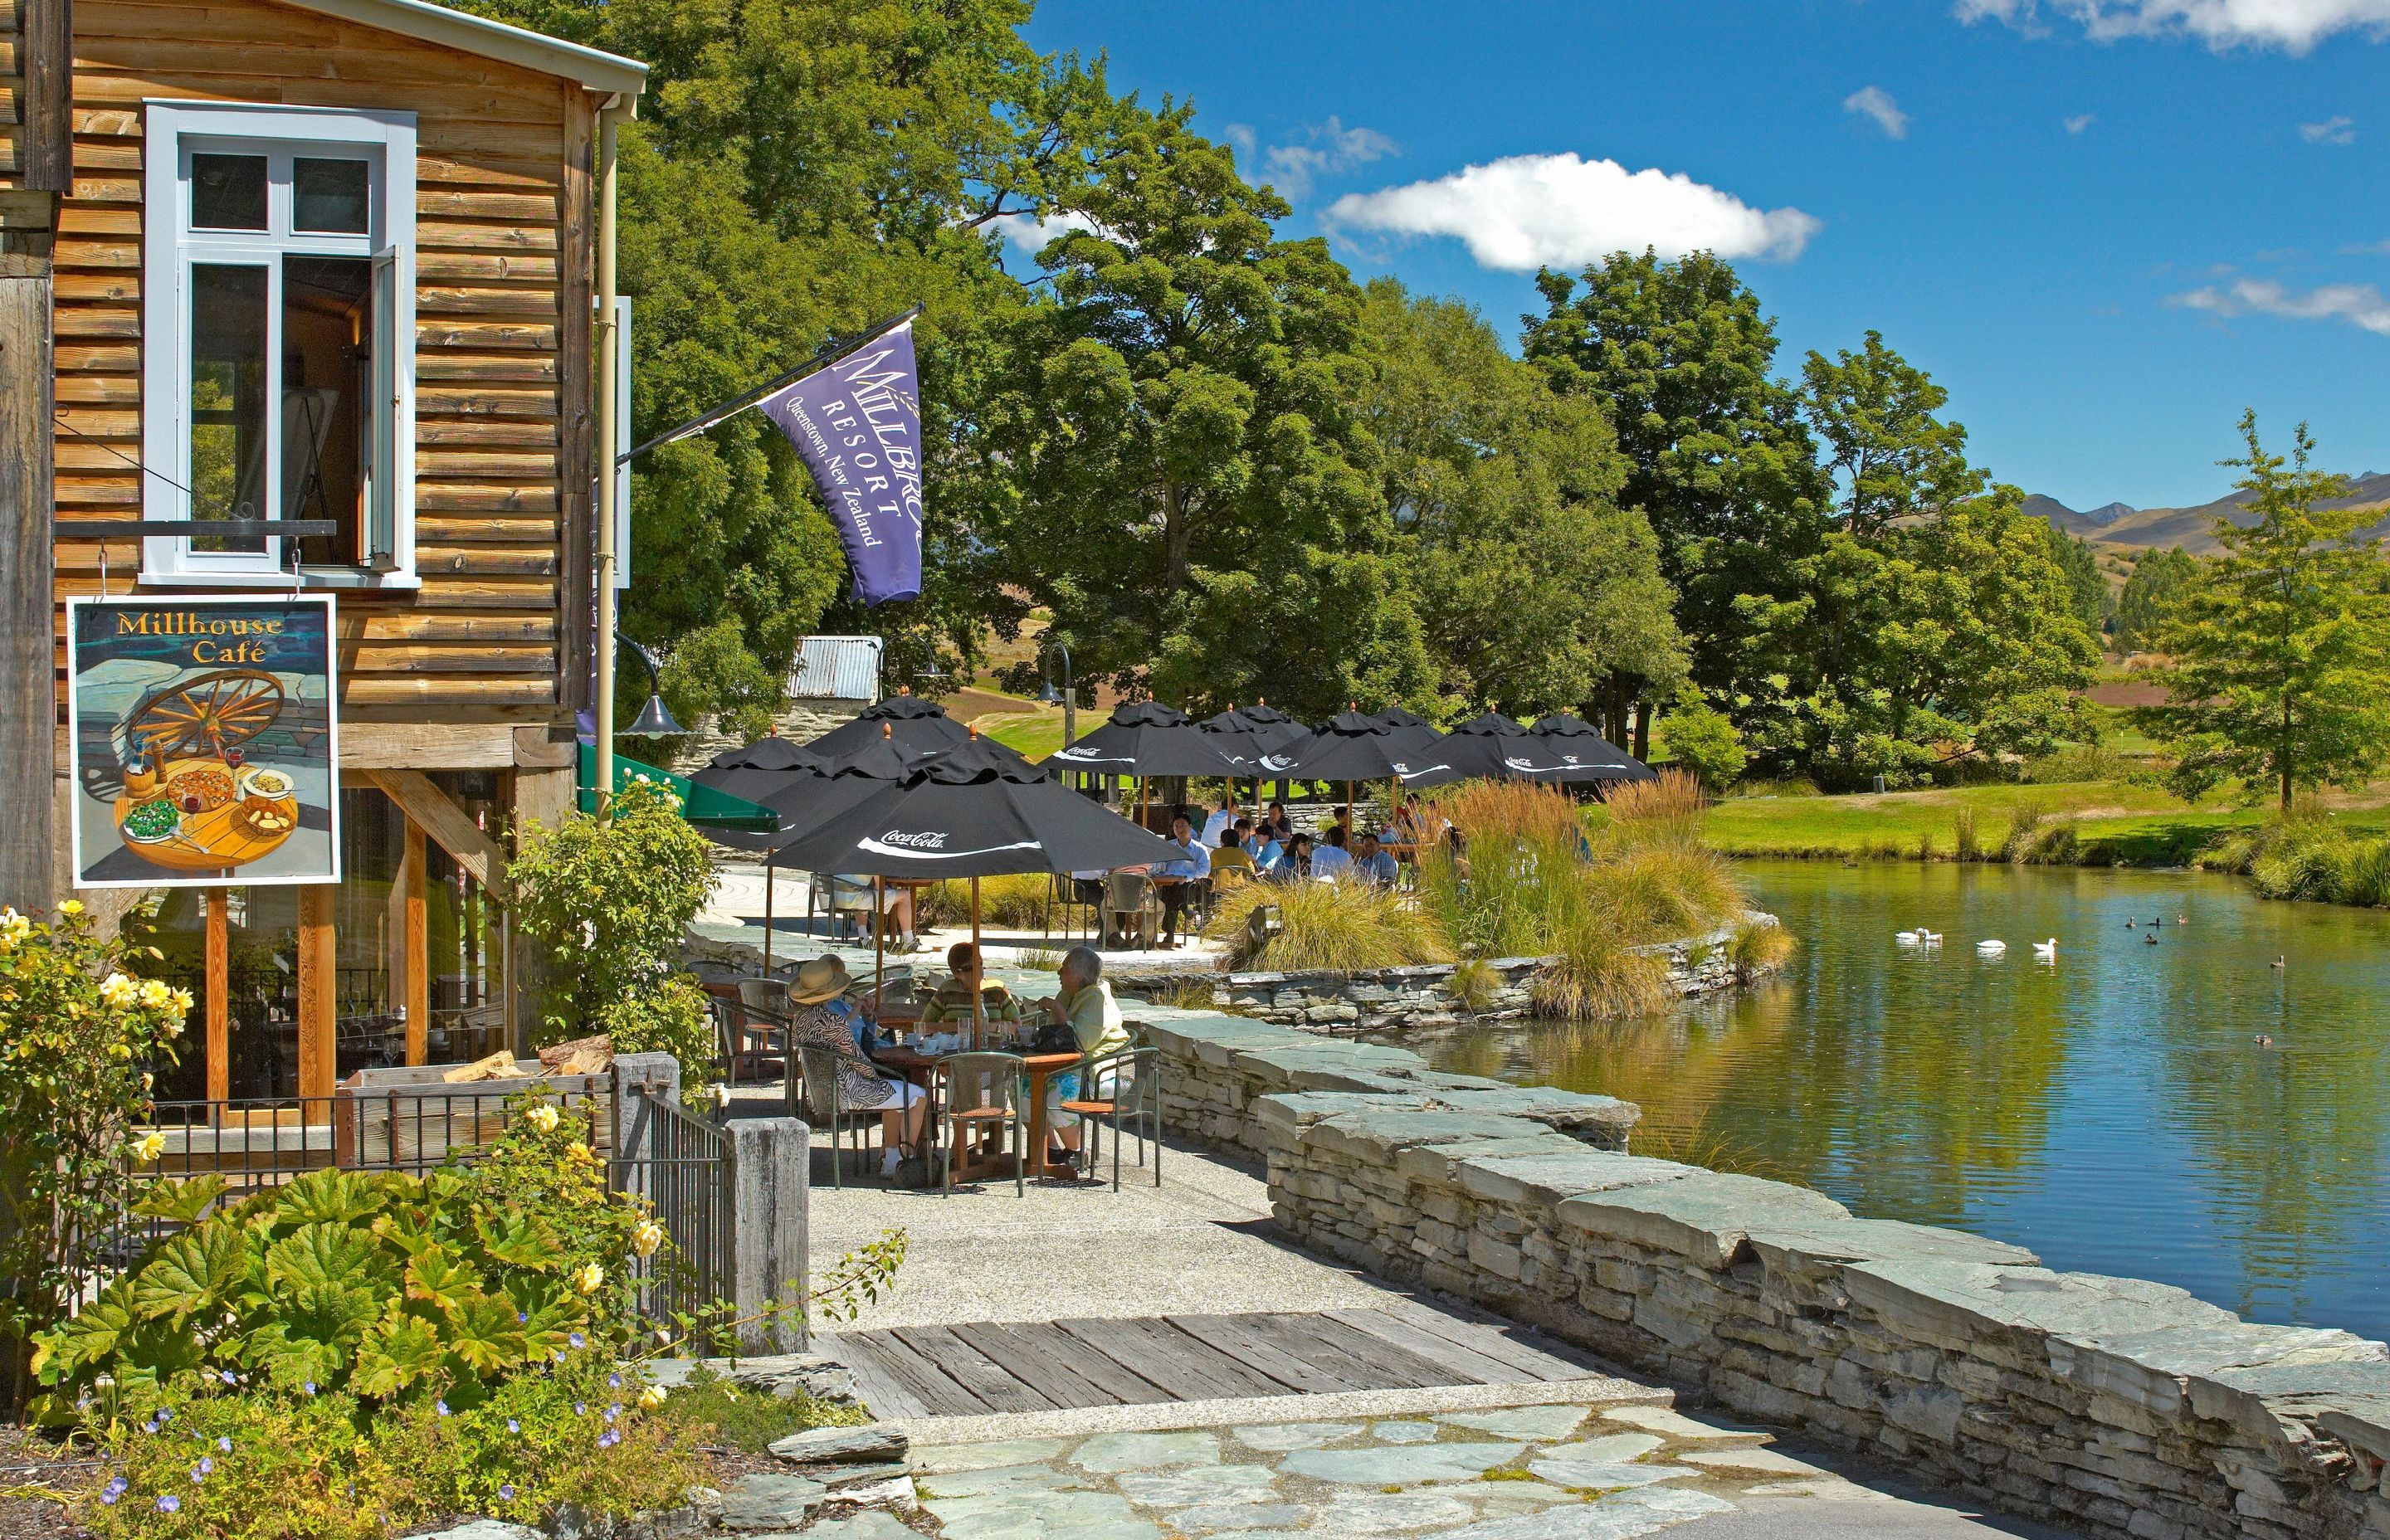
{"x":2118,"y":1406}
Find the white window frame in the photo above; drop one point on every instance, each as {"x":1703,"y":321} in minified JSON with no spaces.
{"x":172,"y":131}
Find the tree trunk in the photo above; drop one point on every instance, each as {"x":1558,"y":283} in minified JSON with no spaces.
{"x":1643,"y":731}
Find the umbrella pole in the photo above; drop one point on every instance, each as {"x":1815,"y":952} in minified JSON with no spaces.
{"x":978,"y":1021}
{"x":879,"y":943}
{"x":768,"y":914}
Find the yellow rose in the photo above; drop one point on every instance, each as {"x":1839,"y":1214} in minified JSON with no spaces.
{"x":652,"y":1397}
{"x":181,"y":1002}
{"x":149,"y":1147}
{"x":646,"y":1237}
{"x":117,"y":990}
{"x":171,"y":1027}
{"x":72,"y":906}
{"x":588,"y":1277}
{"x":155,"y":995}
{"x":542,"y":1117}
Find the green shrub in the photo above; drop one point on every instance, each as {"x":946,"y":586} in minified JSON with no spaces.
{"x":1758,"y":946}
{"x":80,"y":1035}
{"x":607,"y":901}
{"x":1703,"y":742}
{"x":715,"y":1408}
{"x":391,"y":1288}
{"x":2078,"y":763}
{"x":1018,"y":901}
{"x":2025,"y":830}
{"x":1474,"y":985}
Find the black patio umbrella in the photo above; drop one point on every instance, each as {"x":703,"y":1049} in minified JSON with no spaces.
{"x":1145,"y":740}
{"x":1349,"y":747}
{"x":974,"y":814}
{"x":1411,"y":730}
{"x":1586,"y":756}
{"x":759,"y":772}
{"x":1272,"y":730}
{"x":1491,"y":747}
{"x":918,"y":725}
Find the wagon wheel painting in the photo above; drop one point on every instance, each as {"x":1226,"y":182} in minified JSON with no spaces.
{"x":203,"y":715}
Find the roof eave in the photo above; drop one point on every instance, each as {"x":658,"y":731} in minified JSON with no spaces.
{"x":594,"y":69}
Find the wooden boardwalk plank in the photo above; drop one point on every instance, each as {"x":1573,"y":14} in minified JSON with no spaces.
{"x":1419,"y":1369}
{"x":1124,"y":1383}
{"x":1302,"y":1336}
{"x":1041,"y":1371}
{"x":882,"y":1391}
{"x":940,"y":1394}
{"x":1189,"y":1369}
{"x":1467,"y":1365}
{"x":1240,"y":1338}
{"x":977,"y":1373}
{"x":1500,"y":1340}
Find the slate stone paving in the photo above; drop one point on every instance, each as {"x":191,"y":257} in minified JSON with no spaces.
{"x":1551,"y":1473}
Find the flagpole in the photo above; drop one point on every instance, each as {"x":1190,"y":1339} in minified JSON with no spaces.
{"x":822,"y":360}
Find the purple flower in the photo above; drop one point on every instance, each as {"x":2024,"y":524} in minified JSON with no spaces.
{"x":165,"y":1416}
{"x":522,"y":1317}
{"x":223,"y":1445}
{"x":615,"y":1380}
{"x":506,"y":1492}
{"x":513,"y":1426}
{"x":577,"y":1340}
{"x":607,"y":1439}
{"x":113,"y":1490}
{"x":581,"y":1408}
{"x":151,"y":1427}
{"x":614,"y":1411}
{"x":201,"y":1471}
{"x":441,"y":1406}
{"x":170,"y":1504}
{"x":309,"y":1387}
{"x":226,"y":1375}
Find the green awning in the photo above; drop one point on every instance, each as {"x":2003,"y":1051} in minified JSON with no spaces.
{"x":702,"y":805}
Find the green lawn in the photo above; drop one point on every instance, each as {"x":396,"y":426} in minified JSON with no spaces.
{"x":2116,"y":821}
{"x":1037,"y":730}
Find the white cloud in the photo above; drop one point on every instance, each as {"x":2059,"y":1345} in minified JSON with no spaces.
{"x":2331,"y":131}
{"x":1874,"y":102}
{"x":1028,"y":234}
{"x":2294,"y":26}
{"x":1323,"y":149}
{"x":2077,"y":125}
{"x":2359,"y":305}
{"x":1534,"y":211}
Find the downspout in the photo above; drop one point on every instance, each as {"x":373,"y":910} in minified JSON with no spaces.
{"x":609,"y":341}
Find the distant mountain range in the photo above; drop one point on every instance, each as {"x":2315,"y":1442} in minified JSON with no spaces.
{"x":2121,"y":527}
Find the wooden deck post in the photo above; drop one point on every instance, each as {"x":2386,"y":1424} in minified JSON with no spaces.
{"x":28,"y":698}
{"x":318,"y":998}
{"x":414,"y":942}
{"x":219,"y":992}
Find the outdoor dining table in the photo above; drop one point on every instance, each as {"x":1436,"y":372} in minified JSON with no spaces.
{"x":923,"y":1070}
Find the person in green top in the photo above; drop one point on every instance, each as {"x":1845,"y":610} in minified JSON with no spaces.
{"x":998,"y":1007}
{"x":1084,"y":1003}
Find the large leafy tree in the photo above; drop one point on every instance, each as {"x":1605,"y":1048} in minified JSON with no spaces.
{"x":1535,"y":591}
{"x":2150,"y":588}
{"x":1188,"y":491}
{"x":1678,"y":353}
{"x":2281,"y":642}
{"x":1929,"y":621}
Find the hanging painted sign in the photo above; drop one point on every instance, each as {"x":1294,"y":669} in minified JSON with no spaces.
{"x":205,"y":741}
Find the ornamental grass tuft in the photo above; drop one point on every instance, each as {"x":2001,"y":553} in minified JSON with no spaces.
{"x":1345,"y":927}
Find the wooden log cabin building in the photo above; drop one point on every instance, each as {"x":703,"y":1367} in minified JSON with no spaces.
{"x":349,"y":198}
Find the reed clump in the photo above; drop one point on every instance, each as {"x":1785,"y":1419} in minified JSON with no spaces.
{"x":1530,"y":877}
{"x":1347,"y":927}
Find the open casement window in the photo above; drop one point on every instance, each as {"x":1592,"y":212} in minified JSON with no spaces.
{"x":278,"y":329}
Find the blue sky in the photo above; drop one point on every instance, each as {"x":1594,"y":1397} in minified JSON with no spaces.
{"x":2105,"y":226}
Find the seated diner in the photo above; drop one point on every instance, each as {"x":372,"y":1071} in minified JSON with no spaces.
{"x":950,"y":1006}
{"x":1084,"y":1003}
{"x":821,"y":1017}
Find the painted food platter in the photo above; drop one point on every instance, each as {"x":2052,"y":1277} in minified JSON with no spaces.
{"x":206,"y":813}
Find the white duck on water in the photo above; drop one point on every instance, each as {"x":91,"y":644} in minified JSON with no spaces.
{"x":1991,"y":948}
{"x":2046,"y":951}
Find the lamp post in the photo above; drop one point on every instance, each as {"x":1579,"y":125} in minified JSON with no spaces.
{"x":1067,"y":697}
{"x":655,"y":719}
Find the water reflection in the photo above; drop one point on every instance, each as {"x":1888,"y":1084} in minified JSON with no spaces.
{"x":2114,"y":1109}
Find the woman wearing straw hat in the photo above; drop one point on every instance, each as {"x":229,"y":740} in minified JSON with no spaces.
{"x":821,"y":1017}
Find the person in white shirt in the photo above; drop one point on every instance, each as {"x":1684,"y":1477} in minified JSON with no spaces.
{"x":1191,"y":864}
{"x":1330,"y":859}
{"x":1218,"y":822}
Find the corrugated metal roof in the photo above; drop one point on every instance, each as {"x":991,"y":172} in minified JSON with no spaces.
{"x":836,"y":668}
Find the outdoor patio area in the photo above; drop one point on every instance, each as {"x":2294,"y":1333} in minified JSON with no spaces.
{"x":1173,"y":1368}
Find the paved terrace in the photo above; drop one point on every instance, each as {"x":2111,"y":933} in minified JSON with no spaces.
{"x":1084,"y":1364}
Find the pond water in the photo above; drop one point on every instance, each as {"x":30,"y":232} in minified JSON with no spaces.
{"x":2112,"y":1109}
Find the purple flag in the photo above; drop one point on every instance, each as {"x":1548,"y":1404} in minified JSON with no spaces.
{"x":859,"y":424}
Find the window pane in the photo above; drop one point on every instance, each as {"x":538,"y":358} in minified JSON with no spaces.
{"x":326,"y":423}
{"x":229,"y":192}
{"x":329,"y":196}
{"x":227,"y":399}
